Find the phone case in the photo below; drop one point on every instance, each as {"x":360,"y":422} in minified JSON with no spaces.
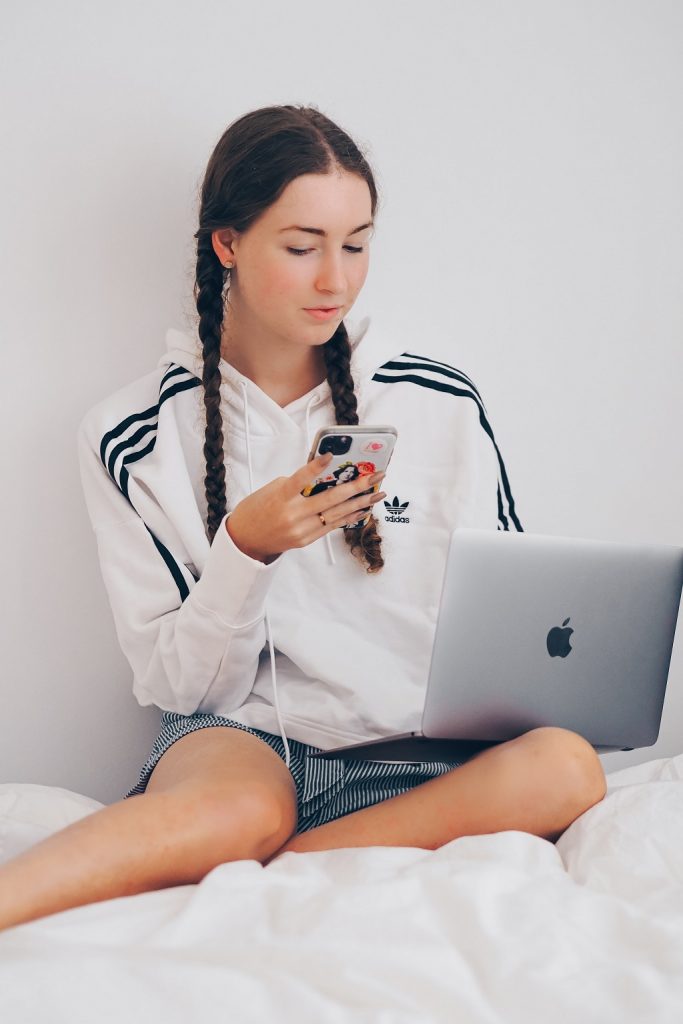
{"x":358,"y":450}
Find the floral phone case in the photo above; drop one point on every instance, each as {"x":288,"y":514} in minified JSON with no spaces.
{"x":357,"y":450}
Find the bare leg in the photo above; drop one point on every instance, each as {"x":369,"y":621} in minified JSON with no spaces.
{"x":215,"y":795}
{"x":150,"y":841}
{"x":539,"y":783}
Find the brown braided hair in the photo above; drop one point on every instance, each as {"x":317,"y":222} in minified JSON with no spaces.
{"x":255,"y":159}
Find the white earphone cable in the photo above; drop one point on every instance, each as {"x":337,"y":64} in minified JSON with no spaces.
{"x":267,"y":618}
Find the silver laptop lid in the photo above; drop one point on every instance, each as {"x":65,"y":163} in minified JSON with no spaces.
{"x":541,"y":630}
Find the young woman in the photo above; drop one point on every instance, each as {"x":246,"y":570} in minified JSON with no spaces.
{"x":264,"y":621}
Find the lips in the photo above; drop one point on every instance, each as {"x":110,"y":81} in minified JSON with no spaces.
{"x":330,"y":313}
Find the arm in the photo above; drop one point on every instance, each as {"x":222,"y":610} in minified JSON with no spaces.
{"x":183,"y":637}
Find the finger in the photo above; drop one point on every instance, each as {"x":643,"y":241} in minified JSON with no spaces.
{"x":342,"y":492}
{"x":307,"y":474}
{"x":336,"y":501}
{"x":359,"y":517}
{"x":354,"y":508}
{"x":358,"y":503}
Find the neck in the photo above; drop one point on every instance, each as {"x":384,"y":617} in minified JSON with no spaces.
{"x":282,"y":370}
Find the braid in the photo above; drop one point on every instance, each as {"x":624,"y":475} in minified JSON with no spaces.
{"x":208,"y":295}
{"x":253,"y":162}
{"x":337,"y":353}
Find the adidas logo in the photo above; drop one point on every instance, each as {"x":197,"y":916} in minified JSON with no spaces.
{"x":395,"y":510}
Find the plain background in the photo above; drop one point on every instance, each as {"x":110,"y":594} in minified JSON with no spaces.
{"x":529,"y":156}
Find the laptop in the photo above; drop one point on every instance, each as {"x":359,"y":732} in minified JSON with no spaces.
{"x":537,"y":630}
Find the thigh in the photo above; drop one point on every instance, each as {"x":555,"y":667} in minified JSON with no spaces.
{"x":219,"y":764}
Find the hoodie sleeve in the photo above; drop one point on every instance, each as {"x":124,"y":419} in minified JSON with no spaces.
{"x":183,"y":637}
{"x":493,"y":497}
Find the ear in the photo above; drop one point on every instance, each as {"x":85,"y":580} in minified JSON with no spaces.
{"x":222,"y":242}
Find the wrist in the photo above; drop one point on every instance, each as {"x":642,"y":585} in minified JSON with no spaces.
{"x":257,"y":556}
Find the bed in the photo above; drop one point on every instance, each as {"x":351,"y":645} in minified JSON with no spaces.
{"x":501,"y":927}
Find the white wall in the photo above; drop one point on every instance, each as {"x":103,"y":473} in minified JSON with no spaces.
{"x":530,"y":156}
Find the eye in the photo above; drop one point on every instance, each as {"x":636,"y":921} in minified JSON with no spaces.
{"x":302,"y":252}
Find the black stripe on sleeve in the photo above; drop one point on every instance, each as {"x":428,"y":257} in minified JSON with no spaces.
{"x":150,"y":414}
{"x":176,"y":380}
{"x":450,"y":373}
{"x":434,"y":364}
{"x":173,"y":566}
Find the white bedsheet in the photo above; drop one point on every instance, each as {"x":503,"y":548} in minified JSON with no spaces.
{"x":501,"y":927}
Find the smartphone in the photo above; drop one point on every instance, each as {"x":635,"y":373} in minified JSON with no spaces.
{"x":358,"y":450}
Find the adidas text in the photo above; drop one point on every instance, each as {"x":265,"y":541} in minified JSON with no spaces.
{"x":395,"y":510}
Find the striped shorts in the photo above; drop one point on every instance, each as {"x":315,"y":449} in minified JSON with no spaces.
{"x":326,"y":789}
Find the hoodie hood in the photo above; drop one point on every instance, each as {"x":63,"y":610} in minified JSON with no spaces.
{"x":267,"y":418}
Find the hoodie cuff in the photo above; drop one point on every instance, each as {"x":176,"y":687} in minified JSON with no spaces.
{"x":233,"y":585}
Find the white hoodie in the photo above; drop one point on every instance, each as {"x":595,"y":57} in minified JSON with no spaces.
{"x":350,"y":650}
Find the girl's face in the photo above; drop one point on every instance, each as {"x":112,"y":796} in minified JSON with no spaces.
{"x":281,"y":270}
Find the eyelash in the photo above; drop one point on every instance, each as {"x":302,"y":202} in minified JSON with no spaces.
{"x":302,"y":252}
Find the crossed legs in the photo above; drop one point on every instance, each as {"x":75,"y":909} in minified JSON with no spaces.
{"x":220,"y":795}
{"x":539,"y":782}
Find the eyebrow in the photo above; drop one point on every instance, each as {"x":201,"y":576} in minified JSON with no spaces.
{"x":319,"y":231}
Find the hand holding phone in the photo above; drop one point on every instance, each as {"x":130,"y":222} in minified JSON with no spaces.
{"x":357,"y":450}
{"x":278,"y":516}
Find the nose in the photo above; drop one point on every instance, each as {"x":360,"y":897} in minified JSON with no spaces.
{"x":331,"y":276}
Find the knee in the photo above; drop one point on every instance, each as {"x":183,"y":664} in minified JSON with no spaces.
{"x":570,"y":761}
{"x":245,"y":823}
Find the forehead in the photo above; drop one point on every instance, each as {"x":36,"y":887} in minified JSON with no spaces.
{"x":333,"y":202}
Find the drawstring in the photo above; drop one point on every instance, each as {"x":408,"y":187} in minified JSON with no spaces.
{"x":314,"y":401}
{"x":267,"y":621}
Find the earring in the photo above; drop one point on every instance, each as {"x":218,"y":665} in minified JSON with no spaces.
{"x":228,"y":266}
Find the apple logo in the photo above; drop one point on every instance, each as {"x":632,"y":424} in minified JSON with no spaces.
{"x":557,"y":641}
